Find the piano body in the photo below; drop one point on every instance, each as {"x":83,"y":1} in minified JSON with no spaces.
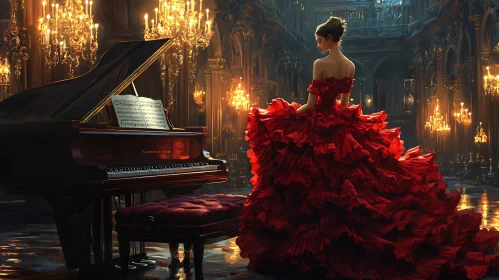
{"x":51,"y":146}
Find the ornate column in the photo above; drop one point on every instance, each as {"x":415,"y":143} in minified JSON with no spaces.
{"x":214,"y":95}
{"x":474,"y":18}
{"x":419,"y":98}
{"x":34,"y":71}
{"x":247,"y":34}
{"x":461,"y":76}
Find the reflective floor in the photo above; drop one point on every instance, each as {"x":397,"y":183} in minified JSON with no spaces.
{"x":30,"y":250}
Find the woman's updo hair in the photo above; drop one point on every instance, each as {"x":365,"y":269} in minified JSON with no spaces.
{"x":334,"y":26}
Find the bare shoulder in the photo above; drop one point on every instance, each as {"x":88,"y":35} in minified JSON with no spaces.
{"x":321,"y":63}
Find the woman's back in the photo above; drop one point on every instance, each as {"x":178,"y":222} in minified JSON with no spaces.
{"x":335,"y":65}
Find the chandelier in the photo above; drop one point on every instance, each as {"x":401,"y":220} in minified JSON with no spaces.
{"x":239,"y":99}
{"x":183,"y":22}
{"x":490,"y":83}
{"x":68,"y":34}
{"x":463,"y":116}
{"x":480,"y":136}
{"x":4,"y":71}
{"x":436,"y":124}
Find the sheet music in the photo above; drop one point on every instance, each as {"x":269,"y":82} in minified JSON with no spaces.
{"x":154,"y":113}
{"x":128,"y":111}
{"x":139,"y":112}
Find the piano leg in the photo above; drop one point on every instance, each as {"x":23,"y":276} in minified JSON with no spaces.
{"x":97,"y":230}
{"x":108,"y":231}
{"x":72,"y":218}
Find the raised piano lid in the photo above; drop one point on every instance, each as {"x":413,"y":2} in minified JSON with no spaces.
{"x":82,"y":97}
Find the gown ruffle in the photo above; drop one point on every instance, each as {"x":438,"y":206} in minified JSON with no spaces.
{"x":333,"y":191}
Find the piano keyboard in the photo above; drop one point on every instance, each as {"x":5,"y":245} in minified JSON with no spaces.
{"x":138,"y":171}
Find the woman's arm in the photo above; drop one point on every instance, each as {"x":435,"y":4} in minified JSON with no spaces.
{"x":344,"y":100}
{"x":346,"y":96}
{"x":312,"y":98}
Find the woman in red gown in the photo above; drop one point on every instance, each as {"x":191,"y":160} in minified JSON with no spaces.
{"x":334,"y":194}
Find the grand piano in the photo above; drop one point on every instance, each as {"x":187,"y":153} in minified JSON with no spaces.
{"x":53,"y":145}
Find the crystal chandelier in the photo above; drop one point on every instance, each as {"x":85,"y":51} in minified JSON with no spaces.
{"x":490,"y":83}
{"x":184,"y":22}
{"x":480,"y":136}
{"x":68,"y":34}
{"x":239,"y":99}
{"x":436,"y":124}
{"x":463,"y":116}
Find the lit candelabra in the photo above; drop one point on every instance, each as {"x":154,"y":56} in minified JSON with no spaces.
{"x":369,"y":100}
{"x":199,"y":97}
{"x":490,"y":83}
{"x":239,"y":99}
{"x":463,"y":116}
{"x":68,"y":34}
{"x":183,"y":22}
{"x":437,"y":124}
{"x":480,"y":136}
{"x":4,"y":71}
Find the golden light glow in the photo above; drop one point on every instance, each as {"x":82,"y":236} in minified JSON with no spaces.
{"x":436,"y":123}
{"x":480,"y":136}
{"x":68,"y":34}
{"x":485,"y":209}
{"x":232,"y":254}
{"x":464,"y":203}
{"x":490,"y":83}
{"x":369,"y":100}
{"x":463,"y":116}
{"x":199,"y":95}
{"x":4,"y":71}
{"x":239,"y":99}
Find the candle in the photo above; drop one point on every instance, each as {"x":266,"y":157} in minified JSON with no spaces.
{"x":200,"y":6}
{"x":96,"y":30}
{"x":159,"y":5}
{"x":156,"y":10}
{"x":193,"y":3}
{"x":187,"y":9}
{"x":91,"y":3}
{"x":207,"y":14}
{"x":44,"y":3}
{"x":86,"y":7}
{"x":146,"y":16}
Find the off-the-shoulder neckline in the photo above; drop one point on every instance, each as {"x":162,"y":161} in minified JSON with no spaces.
{"x":333,"y":78}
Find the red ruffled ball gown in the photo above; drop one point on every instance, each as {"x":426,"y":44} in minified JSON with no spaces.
{"x":333,"y":192}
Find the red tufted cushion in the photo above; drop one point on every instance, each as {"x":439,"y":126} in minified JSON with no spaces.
{"x":184,"y":210}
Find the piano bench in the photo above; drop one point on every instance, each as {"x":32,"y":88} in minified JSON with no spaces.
{"x":194,"y":219}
